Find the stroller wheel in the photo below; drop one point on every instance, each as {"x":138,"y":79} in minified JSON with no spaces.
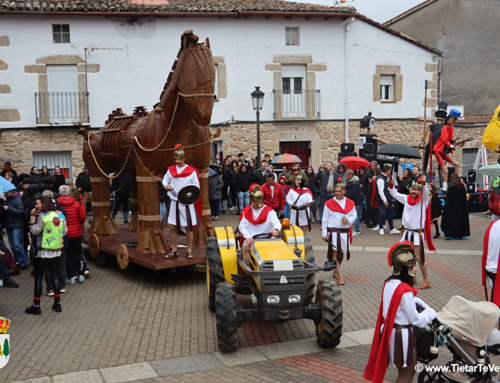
{"x":426,"y":377}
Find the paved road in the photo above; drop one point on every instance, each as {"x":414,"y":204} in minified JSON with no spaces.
{"x":137,"y":324}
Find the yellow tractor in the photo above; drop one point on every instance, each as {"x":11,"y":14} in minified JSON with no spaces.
{"x":280,"y":279}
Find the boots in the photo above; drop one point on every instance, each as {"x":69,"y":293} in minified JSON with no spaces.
{"x":57,"y":304}
{"x":34,"y":308}
{"x":437,"y":235}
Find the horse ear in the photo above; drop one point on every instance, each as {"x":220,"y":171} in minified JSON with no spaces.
{"x":207,"y":43}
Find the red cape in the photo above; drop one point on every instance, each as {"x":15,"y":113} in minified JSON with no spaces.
{"x":379,"y":353}
{"x":302,"y":191}
{"x":496,"y":291}
{"x":334,"y":206}
{"x":427,"y":223}
{"x":187,"y":171}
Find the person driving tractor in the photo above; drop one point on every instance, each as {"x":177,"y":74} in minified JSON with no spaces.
{"x":257,"y":219}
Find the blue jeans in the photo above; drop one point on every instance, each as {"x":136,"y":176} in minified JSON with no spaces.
{"x":163,"y":209}
{"x":325,"y":197}
{"x":16,"y":244}
{"x":385,"y":213}
{"x":243,"y":199}
{"x":214,"y":207}
{"x":356,"y":223}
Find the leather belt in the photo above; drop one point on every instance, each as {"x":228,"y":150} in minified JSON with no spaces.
{"x":340,"y":252}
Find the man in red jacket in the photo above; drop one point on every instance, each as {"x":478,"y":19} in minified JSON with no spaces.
{"x":76,"y":218}
{"x":273,"y":195}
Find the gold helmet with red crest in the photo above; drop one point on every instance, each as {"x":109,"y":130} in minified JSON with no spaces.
{"x":401,"y":255}
{"x":256,"y":194}
{"x":179,"y":151}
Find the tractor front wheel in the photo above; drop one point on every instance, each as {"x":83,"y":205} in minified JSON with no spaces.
{"x":329,"y":328}
{"x":226,"y":316}
{"x":214,"y":270}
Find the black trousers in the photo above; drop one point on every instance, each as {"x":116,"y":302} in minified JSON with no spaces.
{"x":370,"y":218}
{"x":120,"y":201}
{"x":41,"y":264}
{"x":61,"y":270}
{"x":74,"y":259}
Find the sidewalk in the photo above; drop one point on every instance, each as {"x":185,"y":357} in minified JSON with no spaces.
{"x":155,"y":324}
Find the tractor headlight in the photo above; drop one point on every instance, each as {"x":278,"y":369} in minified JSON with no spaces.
{"x":294,"y":298}
{"x":273,"y":299}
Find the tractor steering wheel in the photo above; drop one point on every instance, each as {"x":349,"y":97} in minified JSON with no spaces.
{"x":263,"y":235}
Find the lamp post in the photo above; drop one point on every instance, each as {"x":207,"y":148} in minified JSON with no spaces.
{"x":258,"y":101}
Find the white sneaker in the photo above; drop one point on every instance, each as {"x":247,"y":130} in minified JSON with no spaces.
{"x":375,"y":228}
{"x":70,"y":281}
{"x":81,"y":278}
{"x":381,"y":231}
{"x":356,"y":234}
{"x":385,"y":227}
{"x":395,"y":231}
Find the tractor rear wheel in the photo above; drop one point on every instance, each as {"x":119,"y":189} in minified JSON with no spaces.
{"x":310,"y":278}
{"x":226,"y":316}
{"x":329,"y":328}
{"x":214,"y":270}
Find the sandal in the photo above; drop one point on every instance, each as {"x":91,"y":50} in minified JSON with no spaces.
{"x":216,"y":218}
{"x":172,"y":254}
{"x":424,"y":285}
{"x":190,"y":255}
{"x":341,"y":281}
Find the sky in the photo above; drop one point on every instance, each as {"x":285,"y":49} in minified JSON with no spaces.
{"x":378,"y":10}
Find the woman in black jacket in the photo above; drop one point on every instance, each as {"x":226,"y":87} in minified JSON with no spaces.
{"x":226,"y":177}
{"x":232,"y":189}
{"x":58,"y":179}
{"x":312,"y":187}
{"x":45,"y":172}
{"x":243,"y":182}
{"x":35,"y":176}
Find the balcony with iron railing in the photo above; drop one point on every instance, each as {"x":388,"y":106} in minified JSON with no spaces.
{"x":62,"y":108}
{"x":304,"y":104}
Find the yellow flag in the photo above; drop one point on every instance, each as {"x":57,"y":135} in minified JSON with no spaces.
{"x":491,"y":135}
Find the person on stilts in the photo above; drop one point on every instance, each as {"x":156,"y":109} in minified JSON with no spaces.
{"x":414,"y":214}
{"x":393,"y":339}
{"x":179,"y":215}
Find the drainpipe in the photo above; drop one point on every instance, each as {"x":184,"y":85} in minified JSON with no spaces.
{"x":351,"y":20}
{"x":439,"y":84}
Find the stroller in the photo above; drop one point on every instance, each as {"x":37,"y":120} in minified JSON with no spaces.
{"x":463,"y":327}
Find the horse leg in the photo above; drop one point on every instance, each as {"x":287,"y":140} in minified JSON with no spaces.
{"x":134,"y":224}
{"x":152,"y":239}
{"x":102,"y":223}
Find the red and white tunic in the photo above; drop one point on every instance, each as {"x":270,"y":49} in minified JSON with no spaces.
{"x":258,"y":221}
{"x":299,"y":196}
{"x":333,"y":213}
{"x":178,"y":178}
{"x":411,"y":214}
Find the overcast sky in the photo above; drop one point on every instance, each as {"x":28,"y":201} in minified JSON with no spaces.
{"x":378,"y":10}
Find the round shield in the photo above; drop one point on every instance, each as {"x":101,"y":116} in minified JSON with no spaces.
{"x":189,"y":194}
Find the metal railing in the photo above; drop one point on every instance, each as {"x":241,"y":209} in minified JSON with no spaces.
{"x":293,"y":104}
{"x":61,"y":108}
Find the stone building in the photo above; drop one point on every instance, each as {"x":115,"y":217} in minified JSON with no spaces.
{"x":67,"y":64}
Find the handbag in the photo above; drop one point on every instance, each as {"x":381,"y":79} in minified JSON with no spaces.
{"x":426,"y":342}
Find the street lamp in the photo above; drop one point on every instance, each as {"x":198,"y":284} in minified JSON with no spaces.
{"x":258,"y":101}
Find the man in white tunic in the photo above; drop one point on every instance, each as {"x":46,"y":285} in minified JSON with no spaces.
{"x":178,"y":214}
{"x":411,"y":221}
{"x":257,"y":219}
{"x":338,"y":216}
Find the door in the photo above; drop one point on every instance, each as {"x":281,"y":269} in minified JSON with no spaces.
{"x":63,"y":97}
{"x":300,"y":149}
{"x":293,"y":94}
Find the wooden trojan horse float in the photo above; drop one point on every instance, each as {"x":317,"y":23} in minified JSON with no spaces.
{"x":142,"y":145}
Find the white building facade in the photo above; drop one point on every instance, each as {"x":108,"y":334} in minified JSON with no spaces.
{"x":319,"y":70}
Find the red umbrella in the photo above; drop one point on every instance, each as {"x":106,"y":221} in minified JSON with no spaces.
{"x":354,"y":163}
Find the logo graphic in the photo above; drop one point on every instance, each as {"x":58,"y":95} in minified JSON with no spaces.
{"x":4,"y":342}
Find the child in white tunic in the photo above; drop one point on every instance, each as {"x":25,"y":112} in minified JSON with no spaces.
{"x":297,"y":197}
